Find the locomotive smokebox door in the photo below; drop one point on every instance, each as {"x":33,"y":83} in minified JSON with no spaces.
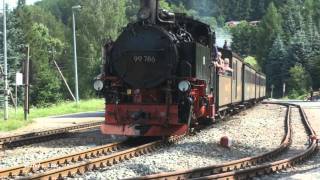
{"x":144,"y":56}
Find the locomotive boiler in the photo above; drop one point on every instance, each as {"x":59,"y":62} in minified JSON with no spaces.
{"x":158,"y":78}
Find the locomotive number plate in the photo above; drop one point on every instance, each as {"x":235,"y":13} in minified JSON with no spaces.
{"x":144,"y":59}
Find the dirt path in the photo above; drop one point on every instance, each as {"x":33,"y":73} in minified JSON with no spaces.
{"x":58,"y":122}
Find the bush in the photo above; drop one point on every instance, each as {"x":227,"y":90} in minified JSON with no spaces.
{"x":297,"y":94}
{"x":299,"y":81}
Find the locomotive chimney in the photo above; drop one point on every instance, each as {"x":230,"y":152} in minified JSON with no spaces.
{"x":148,"y":11}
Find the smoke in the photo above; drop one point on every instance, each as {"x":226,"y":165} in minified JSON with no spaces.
{"x":207,"y":11}
{"x":223,"y":34}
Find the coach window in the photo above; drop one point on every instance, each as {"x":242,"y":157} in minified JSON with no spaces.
{"x":227,"y":67}
{"x":219,"y":64}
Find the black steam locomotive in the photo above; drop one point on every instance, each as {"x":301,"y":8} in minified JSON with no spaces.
{"x":159,"y":79}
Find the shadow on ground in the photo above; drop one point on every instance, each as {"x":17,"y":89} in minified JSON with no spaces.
{"x":81,"y":115}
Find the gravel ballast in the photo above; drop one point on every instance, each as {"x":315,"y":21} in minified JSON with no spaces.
{"x":299,"y":144}
{"x":28,"y":155}
{"x":254,"y":131}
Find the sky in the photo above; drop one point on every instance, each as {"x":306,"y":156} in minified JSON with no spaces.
{"x":13,"y":3}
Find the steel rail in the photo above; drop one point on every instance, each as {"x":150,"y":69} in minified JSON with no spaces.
{"x":246,"y":168}
{"x":81,"y":162}
{"x":266,"y":168}
{"x":277,"y":165}
{"x":232,"y":165}
{"x":94,"y":164}
{"x":101,"y":162}
{"x":60,"y":161}
{"x":22,"y":139}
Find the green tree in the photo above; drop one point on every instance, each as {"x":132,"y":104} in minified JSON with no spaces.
{"x":299,"y":82}
{"x":15,"y":48}
{"x":315,"y":71}
{"x":132,"y":7}
{"x":244,"y":38}
{"x":316,"y":15}
{"x":243,"y":9}
{"x":61,"y":9}
{"x":313,"y":61}
{"x":47,"y":26}
{"x":300,"y":48}
{"x":269,"y":29}
{"x":28,"y":16}
{"x":259,"y":9}
{"x":253,"y":62}
{"x":45,"y":83}
{"x":294,"y":20}
{"x":97,"y":20}
{"x":277,"y":65}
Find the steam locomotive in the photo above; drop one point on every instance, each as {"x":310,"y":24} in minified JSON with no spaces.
{"x":158,"y":78}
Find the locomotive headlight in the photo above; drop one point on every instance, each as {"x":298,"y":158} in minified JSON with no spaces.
{"x":184,"y":86}
{"x":98,"y":85}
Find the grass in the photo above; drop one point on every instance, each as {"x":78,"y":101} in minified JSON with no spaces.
{"x":17,"y":120}
{"x":296,"y":97}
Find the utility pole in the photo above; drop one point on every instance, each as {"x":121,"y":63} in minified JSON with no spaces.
{"x":26,"y":84}
{"x":53,"y":51}
{"x":64,"y":80}
{"x":283,"y":90}
{"x":6,"y":85}
{"x":272,"y":87}
{"x":19,"y":82}
{"x":75,"y":51}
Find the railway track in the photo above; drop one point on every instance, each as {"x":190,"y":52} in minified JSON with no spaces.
{"x":250,"y":167}
{"x":58,"y":162}
{"x":78,"y":163}
{"x":29,"y":138}
{"x":110,"y":154}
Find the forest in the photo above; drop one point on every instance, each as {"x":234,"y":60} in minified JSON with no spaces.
{"x":285,"y":44}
